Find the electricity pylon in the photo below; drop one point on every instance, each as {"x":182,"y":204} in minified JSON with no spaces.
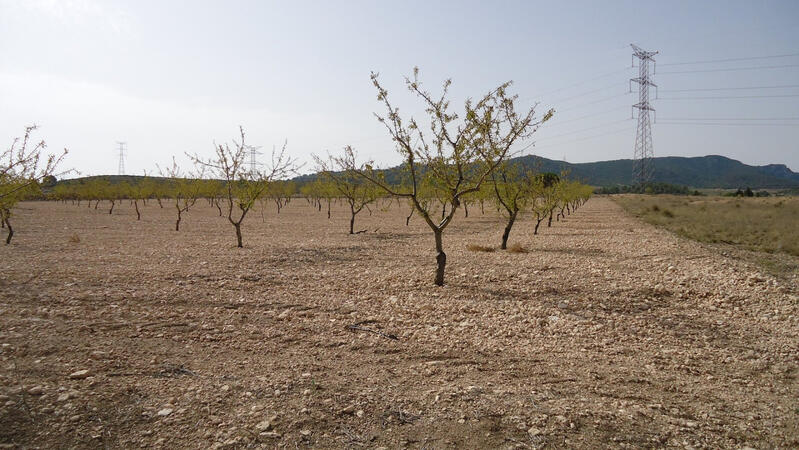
{"x":643,"y":165}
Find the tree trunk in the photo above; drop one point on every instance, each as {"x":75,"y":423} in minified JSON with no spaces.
{"x":4,"y":216}
{"x":113,"y":203}
{"x":328,"y":209}
{"x":96,"y":204}
{"x":138,"y":214}
{"x":218,"y":207}
{"x":352,"y":220}
{"x":443,"y":210}
{"x":441,"y":259}
{"x":408,"y":219}
{"x":177,"y":223}
{"x":159,"y":203}
{"x":550,"y":219}
{"x":482,"y":207}
{"x":466,"y":209}
{"x":537,"y":224}
{"x":10,"y":230}
{"x":506,"y":234}
{"x":238,"y":234}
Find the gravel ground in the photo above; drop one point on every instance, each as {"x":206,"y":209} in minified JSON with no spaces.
{"x":606,"y":333}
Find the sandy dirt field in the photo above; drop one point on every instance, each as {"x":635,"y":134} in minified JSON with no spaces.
{"x":607,"y":333}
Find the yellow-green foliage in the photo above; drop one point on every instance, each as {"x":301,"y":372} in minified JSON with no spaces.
{"x":761,"y":224}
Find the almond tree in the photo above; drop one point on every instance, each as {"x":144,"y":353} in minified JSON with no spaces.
{"x":213,"y":191}
{"x":574,"y":195}
{"x":281,"y":192}
{"x":328,"y":192}
{"x":545,"y":197}
{"x":149,"y":187}
{"x":511,"y":185}
{"x":22,"y":167}
{"x":314,"y":192}
{"x":356,"y":191}
{"x":582,"y":192}
{"x":457,"y":156}
{"x":113,"y":193}
{"x":184,"y":189}
{"x":140,"y":191}
{"x":137,"y":193}
{"x":244,"y":186}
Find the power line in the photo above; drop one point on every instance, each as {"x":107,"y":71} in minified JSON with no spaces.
{"x":748,"y":58}
{"x":584,"y":129}
{"x":730,"y":118}
{"x":728,"y":97}
{"x":586,"y":93}
{"x":580,"y":83}
{"x":623,"y":130}
{"x":731,"y":69}
{"x":661,"y":122}
{"x":731,"y":88}
{"x":560,"y":122}
{"x":592,"y":102}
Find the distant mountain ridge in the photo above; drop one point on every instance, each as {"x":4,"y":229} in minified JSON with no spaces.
{"x":712,"y":171}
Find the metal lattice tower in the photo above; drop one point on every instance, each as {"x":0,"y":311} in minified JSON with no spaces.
{"x":122,"y":150}
{"x":253,"y":151}
{"x":643,"y":167}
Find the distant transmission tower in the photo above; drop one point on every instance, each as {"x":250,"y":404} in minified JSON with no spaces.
{"x":122,"y":150}
{"x":253,"y":151}
{"x":643,"y":167}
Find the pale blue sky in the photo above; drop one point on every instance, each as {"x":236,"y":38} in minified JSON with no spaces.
{"x":170,"y":77}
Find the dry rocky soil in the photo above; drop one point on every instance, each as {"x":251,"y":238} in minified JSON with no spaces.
{"x":607,"y":333}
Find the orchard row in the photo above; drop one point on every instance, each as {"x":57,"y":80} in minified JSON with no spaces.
{"x":449,"y":160}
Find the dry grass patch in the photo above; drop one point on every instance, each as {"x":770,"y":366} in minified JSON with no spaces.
{"x":480,"y":248}
{"x":517,"y":248}
{"x":759,"y":224}
{"x":753,"y":224}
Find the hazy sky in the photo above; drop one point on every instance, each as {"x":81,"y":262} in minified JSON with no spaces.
{"x":173,"y":77}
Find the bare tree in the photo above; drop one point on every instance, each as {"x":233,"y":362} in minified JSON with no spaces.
{"x":244,"y":186}
{"x":356,"y":191}
{"x":457,"y":156}
{"x":185,"y":188}
{"x":22,"y":167}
